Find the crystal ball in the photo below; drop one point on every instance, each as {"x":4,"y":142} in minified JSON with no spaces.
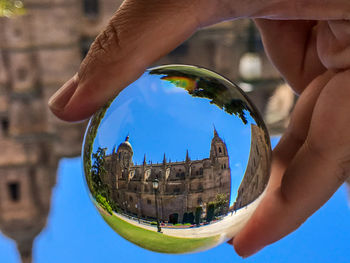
{"x":178,"y":161}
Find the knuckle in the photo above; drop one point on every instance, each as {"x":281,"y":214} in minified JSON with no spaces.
{"x":344,"y":169}
{"x":106,"y":44}
{"x":102,"y":51}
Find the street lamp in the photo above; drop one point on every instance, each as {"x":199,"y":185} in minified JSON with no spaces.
{"x":155,"y":184}
{"x":250,"y":64}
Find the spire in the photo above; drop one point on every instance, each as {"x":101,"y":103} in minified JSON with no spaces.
{"x":187,"y":156}
{"x":25,"y":250}
{"x":164,"y":159}
{"x":215,"y":132}
{"x":127,"y":138}
{"x":144,"y":160}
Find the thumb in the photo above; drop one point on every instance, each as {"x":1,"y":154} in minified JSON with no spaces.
{"x":139,"y":33}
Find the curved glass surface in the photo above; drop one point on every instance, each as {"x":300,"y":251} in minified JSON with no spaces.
{"x":178,"y":161}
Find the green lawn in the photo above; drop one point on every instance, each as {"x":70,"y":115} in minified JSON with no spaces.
{"x":157,"y":241}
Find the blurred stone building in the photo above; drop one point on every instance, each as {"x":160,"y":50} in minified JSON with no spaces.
{"x":255,"y":178}
{"x":39,"y":51}
{"x":42,"y":49}
{"x":183,"y":186}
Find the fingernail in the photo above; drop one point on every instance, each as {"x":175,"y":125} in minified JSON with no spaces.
{"x":60,"y":99}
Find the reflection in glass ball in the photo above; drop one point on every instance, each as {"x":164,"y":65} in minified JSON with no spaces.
{"x":178,"y":161}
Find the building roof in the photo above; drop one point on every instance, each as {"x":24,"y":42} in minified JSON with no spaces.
{"x":126,"y":144}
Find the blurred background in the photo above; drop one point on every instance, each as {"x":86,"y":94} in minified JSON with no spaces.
{"x":45,"y":213}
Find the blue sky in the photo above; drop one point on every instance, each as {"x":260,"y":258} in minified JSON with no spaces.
{"x":162,"y":118}
{"x":75,"y":232}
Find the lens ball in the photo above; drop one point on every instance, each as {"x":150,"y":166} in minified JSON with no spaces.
{"x":178,"y":161}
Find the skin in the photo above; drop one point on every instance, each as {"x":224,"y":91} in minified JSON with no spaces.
{"x":312,"y":53}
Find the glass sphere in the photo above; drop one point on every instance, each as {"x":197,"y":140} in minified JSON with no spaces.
{"x":178,"y":161}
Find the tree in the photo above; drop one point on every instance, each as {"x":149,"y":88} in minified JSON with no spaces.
{"x":220,"y":204}
{"x":185,"y":218}
{"x":210,"y":211}
{"x":99,"y":188}
{"x":98,"y":171}
{"x":12,"y":8}
{"x":203,"y":84}
{"x":198,"y":215}
{"x":173,"y":218}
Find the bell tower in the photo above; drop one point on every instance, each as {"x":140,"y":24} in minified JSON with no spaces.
{"x":218,"y":147}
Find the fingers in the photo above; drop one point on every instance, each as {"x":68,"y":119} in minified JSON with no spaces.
{"x":302,"y":10}
{"x":334,"y":44}
{"x":296,"y":133}
{"x":248,"y":241}
{"x":294,"y":53}
{"x":319,"y":167}
{"x":138,"y":34}
{"x":142,"y":31}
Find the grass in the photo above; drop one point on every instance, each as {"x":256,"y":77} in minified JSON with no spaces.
{"x":157,"y":241}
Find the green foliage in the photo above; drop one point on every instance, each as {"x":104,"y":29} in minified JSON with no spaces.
{"x":185,"y":218}
{"x":104,"y":203}
{"x":210,"y":211}
{"x":198,"y":215}
{"x":89,"y":141}
{"x":188,"y":217}
{"x":173,"y":218}
{"x":220,"y":204}
{"x":98,"y":171}
{"x":10,"y":8}
{"x":210,"y":86}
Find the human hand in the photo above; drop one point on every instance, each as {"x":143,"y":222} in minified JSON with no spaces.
{"x":141,"y":32}
{"x":312,"y":158}
{"x":129,"y":45}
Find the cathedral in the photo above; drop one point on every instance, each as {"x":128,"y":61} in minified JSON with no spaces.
{"x":182,"y":186}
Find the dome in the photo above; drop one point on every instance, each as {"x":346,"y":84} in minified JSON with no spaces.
{"x":126,"y":144}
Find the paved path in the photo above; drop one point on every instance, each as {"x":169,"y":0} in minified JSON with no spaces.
{"x":226,"y":227}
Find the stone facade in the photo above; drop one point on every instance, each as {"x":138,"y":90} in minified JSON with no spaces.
{"x":183,"y":186}
{"x":42,"y":49}
{"x":39,"y":51}
{"x":256,"y":175}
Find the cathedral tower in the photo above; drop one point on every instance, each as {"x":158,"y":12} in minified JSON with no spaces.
{"x":124,"y":155}
{"x":218,"y":149}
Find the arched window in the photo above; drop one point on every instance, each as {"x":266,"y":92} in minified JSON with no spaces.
{"x":22,"y":73}
{"x":14,"y":191}
{"x":91,"y":7}
{"x":220,"y":150}
{"x":5,"y":125}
